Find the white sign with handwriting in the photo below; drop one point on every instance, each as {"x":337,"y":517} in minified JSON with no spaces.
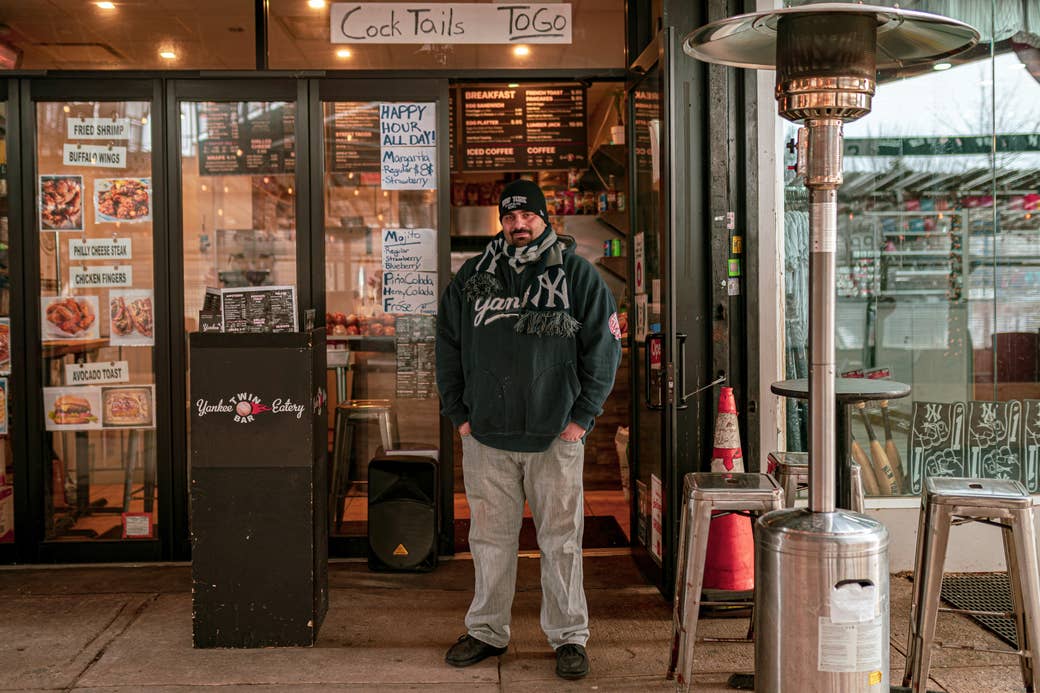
{"x":409,"y":249}
{"x":407,"y":292}
{"x":408,"y":145}
{"x":450,"y":22}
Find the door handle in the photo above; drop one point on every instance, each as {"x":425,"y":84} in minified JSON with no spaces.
{"x":648,"y":391}
{"x":681,"y":396}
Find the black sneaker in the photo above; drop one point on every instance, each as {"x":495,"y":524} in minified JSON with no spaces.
{"x":572,"y":662}
{"x":468,"y":651}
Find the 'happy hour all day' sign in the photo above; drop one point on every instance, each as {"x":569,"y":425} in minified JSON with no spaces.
{"x":408,"y":146}
{"x":447,"y":22}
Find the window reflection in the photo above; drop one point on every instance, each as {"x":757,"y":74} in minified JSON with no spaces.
{"x":938,"y":264}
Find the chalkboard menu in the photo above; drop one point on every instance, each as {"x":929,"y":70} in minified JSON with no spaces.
{"x":353,"y":136}
{"x":238,"y":139}
{"x":259,"y":309}
{"x":524,"y":128}
{"x":647,"y":107}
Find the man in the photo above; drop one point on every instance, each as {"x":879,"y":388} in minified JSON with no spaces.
{"x":528,"y":343}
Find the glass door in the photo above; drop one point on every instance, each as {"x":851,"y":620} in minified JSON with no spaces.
{"x":237,"y":166}
{"x":100,"y":281}
{"x":668,"y":307}
{"x":383,"y":181}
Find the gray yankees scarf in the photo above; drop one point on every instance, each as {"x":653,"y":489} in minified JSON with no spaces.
{"x":546,"y":300}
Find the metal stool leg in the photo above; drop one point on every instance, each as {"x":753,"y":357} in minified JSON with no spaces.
{"x":1026,"y":579}
{"x":789,"y":483}
{"x":934,"y":556}
{"x":679,"y":593}
{"x":696,"y":554}
{"x":915,"y":595}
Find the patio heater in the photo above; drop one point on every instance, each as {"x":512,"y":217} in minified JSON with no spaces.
{"x":821,"y":574}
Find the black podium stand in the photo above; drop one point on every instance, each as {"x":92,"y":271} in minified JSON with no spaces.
{"x":258,"y":489}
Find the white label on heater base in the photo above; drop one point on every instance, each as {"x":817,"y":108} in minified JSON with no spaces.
{"x":849,"y":647}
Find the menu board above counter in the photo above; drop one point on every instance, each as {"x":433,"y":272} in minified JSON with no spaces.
{"x":354,"y":137}
{"x":234,"y":140}
{"x":523,"y":128}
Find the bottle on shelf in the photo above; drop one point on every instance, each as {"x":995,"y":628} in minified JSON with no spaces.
{"x":611,"y":193}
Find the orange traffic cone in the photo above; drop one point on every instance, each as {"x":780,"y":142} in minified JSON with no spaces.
{"x":730,"y":563}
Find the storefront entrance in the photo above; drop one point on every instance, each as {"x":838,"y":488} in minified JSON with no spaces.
{"x":138,"y":195}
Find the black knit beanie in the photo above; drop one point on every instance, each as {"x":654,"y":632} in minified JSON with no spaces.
{"x":522,"y":194}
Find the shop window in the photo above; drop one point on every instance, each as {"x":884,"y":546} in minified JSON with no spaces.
{"x":938,"y":259}
{"x":95,"y":209}
{"x":392,"y":37}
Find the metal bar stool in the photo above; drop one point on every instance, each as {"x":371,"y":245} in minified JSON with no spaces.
{"x":791,"y":470}
{"x":707,"y":493}
{"x":345,"y":466}
{"x":999,"y":502}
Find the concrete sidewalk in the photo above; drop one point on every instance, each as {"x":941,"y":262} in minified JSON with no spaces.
{"x":116,"y":629}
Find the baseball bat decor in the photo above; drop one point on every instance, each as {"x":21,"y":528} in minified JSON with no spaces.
{"x":891,"y":450}
{"x":882,"y":468}
{"x":866,"y":469}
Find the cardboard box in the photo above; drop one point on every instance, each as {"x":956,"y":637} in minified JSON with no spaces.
{"x":6,"y":514}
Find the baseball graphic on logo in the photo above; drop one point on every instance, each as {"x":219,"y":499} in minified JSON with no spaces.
{"x":243,"y":408}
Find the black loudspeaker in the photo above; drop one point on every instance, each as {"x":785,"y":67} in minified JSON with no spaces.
{"x":403,"y":513}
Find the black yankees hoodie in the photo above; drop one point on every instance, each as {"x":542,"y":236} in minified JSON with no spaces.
{"x":519,"y":391}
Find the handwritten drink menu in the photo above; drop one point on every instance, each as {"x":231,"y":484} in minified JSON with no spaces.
{"x":523,"y":128}
{"x":235,"y":138}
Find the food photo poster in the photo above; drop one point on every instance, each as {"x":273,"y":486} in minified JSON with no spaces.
{"x":72,"y":408}
{"x":128,"y":406}
{"x":3,"y":406}
{"x":5,"y":346}
{"x":69,"y":317}
{"x":126,"y":200}
{"x":61,"y":203}
{"x":131,"y":318}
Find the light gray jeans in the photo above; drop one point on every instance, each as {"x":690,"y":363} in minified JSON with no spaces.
{"x":497,"y":483}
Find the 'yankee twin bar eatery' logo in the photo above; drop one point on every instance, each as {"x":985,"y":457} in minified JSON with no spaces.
{"x":244,"y":407}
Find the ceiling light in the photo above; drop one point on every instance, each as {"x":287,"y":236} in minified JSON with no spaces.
{"x":105,"y":5}
{"x":343,"y":53}
{"x":167,"y":54}
{"x":939,"y":67}
{"x":521,"y":51}
{"x":316,"y":4}
{"x":514,"y":85}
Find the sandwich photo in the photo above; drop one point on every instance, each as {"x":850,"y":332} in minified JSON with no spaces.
{"x":126,"y":406}
{"x":5,"y":345}
{"x":69,"y":410}
{"x":74,"y":408}
{"x":131,"y":320}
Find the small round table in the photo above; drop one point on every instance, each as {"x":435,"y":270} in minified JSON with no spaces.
{"x":846,"y":391}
